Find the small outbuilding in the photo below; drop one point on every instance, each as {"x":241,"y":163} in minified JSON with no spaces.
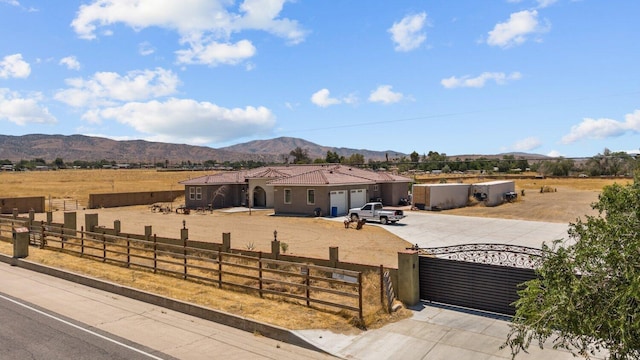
{"x":440,"y":196}
{"x":494,"y":193}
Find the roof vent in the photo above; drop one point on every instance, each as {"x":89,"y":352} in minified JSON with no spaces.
{"x":330,"y":171}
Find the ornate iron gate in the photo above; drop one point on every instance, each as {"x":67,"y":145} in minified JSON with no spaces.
{"x":477,"y":276}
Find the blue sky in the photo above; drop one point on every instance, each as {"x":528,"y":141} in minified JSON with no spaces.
{"x":553,"y":77}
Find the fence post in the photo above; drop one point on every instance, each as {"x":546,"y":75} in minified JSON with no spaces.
{"x":81,"y":241}
{"x":43,"y":239}
{"x":128,"y":251}
{"x":360,"y":297}
{"x":306,"y":283}
{"x":184,"y":235}
{"x":185,"y":258}
{"x":219,"y":269}
{"x":155,"y":254}
{"x":260,"y":272}
{"x":275,"y":246}
{"x":104,"y":248}
{"x":382,"y":286}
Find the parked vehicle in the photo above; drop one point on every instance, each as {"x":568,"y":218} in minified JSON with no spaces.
{"x":375,"y":211}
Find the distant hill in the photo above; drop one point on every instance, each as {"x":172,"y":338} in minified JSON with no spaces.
{"x":90,"y":148}
{"x":284,"y":145}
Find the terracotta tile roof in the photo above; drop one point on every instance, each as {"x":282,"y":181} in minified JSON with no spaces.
{"x":325,"y":174}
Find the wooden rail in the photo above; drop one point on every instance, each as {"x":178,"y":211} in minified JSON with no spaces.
{"x":311,"y":285}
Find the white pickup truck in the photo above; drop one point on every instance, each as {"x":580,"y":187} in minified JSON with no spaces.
{"x":374,"y":211}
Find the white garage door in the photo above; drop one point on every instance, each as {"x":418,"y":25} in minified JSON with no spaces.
{"x":338,"y":200}
{"x":358,"y":197}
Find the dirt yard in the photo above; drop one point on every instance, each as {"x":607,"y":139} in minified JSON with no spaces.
{"x":310,"y":237}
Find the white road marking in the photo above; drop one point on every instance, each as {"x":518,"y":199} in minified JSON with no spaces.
{"x":81,"y":328}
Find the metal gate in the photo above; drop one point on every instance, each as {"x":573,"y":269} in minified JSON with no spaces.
{"x":477,"y":276}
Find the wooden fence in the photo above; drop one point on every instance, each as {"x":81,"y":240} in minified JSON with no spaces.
{"x":304,"y":283}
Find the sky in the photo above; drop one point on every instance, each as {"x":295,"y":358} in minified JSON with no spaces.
{"x":551,"y":77}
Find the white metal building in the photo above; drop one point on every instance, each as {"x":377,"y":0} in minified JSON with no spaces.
{"x":440,"y":196}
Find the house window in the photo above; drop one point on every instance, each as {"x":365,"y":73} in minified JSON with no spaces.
{"x":198,"y":193}
{"x":375,"y":187}
{"x":311,"y":196}
{"x":192,"y":193}
{"x":287,"y":196}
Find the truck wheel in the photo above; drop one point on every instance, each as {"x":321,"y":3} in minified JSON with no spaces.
{"x":354,"y":217}
{"x":384,"y":220}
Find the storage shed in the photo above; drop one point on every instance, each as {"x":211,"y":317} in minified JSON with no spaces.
{"x":493,"y":193}
{"x":440,"y":196}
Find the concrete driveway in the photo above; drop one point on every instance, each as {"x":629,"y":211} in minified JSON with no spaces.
{"x":430,"y":229}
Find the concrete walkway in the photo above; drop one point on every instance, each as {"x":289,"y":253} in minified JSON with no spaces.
{"x":432,"y":333}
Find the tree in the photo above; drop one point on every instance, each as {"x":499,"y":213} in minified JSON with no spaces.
{"x":300,"y":156}
{"x":587,"y":294}
{"x":332,"y":157}
{"x":355,"y":159}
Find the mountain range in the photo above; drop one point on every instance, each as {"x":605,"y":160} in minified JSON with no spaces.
{"x":91,"y":148}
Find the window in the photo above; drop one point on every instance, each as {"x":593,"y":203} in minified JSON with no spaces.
{"x":375,"y":187}
{"x":287,"y":196}
{"x":192,"y":193}
{"x":198,"y":193}
{"x":311,"y":196}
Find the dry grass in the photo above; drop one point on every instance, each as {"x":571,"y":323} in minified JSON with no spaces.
{"x":234,"y":302}
{"x":78,"y":184}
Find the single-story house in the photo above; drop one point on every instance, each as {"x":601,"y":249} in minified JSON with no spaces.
{"x":329,"y":189}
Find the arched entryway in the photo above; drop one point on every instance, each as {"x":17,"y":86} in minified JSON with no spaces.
{"x":259,"y":197}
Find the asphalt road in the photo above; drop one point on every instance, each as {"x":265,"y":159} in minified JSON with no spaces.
{"x":28,"y":332}
{"x":95,"y":323}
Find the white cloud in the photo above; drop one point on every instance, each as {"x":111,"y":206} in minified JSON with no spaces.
{"x":185,"y":120}
{"x":479,"y":81}
{"x":205,"y":25}
{"x":546,"y":3}
{"x":322,"y":98}
{"x":527,"y":144}
{"x":215,"y":53}
{"x":106,"y":88}
{"x":23,"y":110}
{"x":603,"y":128}
{"x":70,"y":62}
{"x":384,"y":95}
{"x":12,"y":66}
{"x":516,"y":30}
{"x":145,"y":48}
{"x":407,"y":34}
{"x":554,"y":153}
{"x":11,"y":2}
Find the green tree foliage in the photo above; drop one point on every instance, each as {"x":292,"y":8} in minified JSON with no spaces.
{"x":355,"y":159}
{"x":611,"y":163}
{"x":300,"y":156}
{"x":587,"y":295}
{"x":559,"y":167}
{"x":333,"y":157}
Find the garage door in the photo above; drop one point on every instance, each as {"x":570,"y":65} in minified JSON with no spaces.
{"x":358,"y":198}
{"x":338,"y":200}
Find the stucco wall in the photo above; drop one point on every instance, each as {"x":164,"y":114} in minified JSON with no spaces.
{"x":23,"y":204}
{"x":132,"y":198}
